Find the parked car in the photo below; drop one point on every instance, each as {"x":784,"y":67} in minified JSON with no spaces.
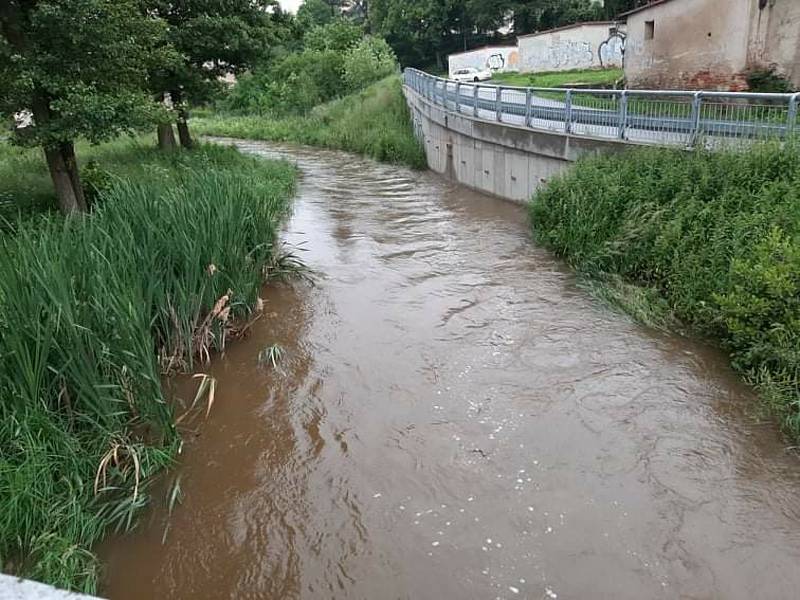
{"x":471,"y":74}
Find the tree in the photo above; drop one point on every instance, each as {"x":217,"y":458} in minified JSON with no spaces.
{"x":369,"y":60}
{"x":214,"y":38}
{"x":79,"y":69}
{"x":318,"y":12}
{"x":418,"y":30}
{"x":338,"y":35}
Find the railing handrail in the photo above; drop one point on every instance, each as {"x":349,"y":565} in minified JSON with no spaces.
{"x":651,"y":116}
{"x":646,"y":92}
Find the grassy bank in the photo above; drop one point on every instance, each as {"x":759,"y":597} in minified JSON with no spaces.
{"x":374,"y":122}
{"x":554,"y":79}
{"x":709,"y":239}
{"x":92,"y":312}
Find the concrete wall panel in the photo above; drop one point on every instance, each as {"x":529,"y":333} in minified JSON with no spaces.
{"x":503,"y":160}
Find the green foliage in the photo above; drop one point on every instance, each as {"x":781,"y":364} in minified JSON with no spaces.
{"x":716,"y":235}
{"x":423,"y":32}
{"x":368,"y":61}
{"x":768,"y":81}
{"x":92,"y":311}
{"x":317,"y":12}
{"x":80,"y":65}
{"x":374,"y":122}
{"x":213,"y":38}
{"x":338,"y":35}
{"x":96,"y":181}
{"x":291,"y":85}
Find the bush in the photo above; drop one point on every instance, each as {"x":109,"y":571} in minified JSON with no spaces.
{"x":367,"y":62}
{"x":92,"y":311}
{"x":291,"y":85}
{"x":767,"y":81}
{"x":717,"y":235}
{"x":339,"y":36}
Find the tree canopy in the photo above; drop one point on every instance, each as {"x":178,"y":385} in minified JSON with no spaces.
{"x":78,"y":68}
{"x":423,"y":31}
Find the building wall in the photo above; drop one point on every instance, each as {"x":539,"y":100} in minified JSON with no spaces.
{"x":701,"y":44}
{"x":775,"y":37}
{"x":495,"y":58}
{"x":584,"y":46}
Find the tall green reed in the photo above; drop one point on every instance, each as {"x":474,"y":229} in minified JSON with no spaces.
{"x":92,"y":311}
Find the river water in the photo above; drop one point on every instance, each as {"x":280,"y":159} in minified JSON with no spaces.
{"x":454,"y":418}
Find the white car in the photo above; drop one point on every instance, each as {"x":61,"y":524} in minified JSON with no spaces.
{"x":471,"y":74}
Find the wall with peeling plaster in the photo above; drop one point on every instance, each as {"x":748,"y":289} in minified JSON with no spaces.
{"x":711,"y":44}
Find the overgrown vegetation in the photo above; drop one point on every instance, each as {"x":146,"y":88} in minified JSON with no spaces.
{"x":93,"y":311}
{"x":335,"y":59}
{"x":374,"y":122}
{"x":712,"y":239}
{"x":766,"y":81}
{"x":578,"y":77}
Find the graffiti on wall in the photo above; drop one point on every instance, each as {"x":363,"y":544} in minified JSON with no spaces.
{"x":570,"y":54}
{"x":612,"y":51}
{"x":559,"y":55}
{"x":584,"y":47}
{"x":494,"y":59}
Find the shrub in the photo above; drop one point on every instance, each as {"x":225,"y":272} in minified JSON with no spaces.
{"x":768,"y":81}
{"x":368,"y":61}
{"x":339,"y":36}
{"x":291,"y":85}
{"x":717,"y":235}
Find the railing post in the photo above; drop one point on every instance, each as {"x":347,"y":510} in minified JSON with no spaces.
{"x":458,"y":96}
{"x":528,"y":100}
{"x":623,"y":114}
{"x":697,"y":105}
{"x":499,"y":104}
{"x":476,"y":91}
{"x":568,"y":112}
{"x":791,"y":119}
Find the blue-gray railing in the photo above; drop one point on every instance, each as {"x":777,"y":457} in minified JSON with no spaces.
{"x":651,"y":116}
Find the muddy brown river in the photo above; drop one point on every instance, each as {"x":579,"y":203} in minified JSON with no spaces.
{"x":454,"y":418}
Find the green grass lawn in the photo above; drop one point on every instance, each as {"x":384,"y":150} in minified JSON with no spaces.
{"x":584,"y":77}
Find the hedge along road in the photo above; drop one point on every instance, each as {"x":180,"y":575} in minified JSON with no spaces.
{"x":454,"y":418}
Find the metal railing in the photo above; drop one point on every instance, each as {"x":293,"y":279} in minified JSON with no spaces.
{"x":660,"y":117}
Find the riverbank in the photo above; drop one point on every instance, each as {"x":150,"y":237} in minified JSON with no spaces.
{"x":93,"y":311}
{"x":374,"y":122}
{"x":708,"y":240}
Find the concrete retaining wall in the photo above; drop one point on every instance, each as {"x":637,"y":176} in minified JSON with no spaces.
{"x":503,"y":160}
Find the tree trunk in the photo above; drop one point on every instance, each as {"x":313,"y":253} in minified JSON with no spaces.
{"x":61,"y":162}
{"x":166,"y":136}
{"x":183,"y":117}
{"x":183,"y":130}
{"x":71,"y":162}
{"x":63,"y":182}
